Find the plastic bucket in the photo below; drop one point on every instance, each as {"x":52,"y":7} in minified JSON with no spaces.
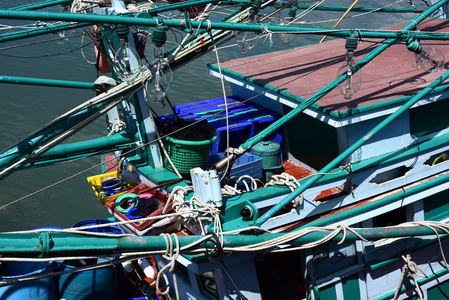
{"x":41,"y":289}
{"x":91,"y":222}
{"x":187,"y":155}
{"x":90,"y":284}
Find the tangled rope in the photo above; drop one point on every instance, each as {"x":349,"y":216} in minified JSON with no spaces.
{"x":289,"y":181}
{"x":171,"y":254}
{"x":193,"y":210}
{"x":116,"y":127}
{"x":412,"y":270}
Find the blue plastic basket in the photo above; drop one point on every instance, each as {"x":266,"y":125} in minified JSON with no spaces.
{"x":247,"y":164}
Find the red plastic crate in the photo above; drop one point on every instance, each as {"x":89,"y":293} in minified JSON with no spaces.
{"x":145,"y":227}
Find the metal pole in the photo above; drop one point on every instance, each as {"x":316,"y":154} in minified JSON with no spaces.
{"x":46,"y":82}
{"x":67,"y":243}
{"x":152,"y":22}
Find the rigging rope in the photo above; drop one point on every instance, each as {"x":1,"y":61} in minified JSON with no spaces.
{"x":412,"y":270}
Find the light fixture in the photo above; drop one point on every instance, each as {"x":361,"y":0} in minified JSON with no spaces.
{"x":127,"y":62}
{"x":61,"y":34}
{"x":353,"y":75}
{"x":162,"y":76}
{"x":284,"y":38}
{"x":247,"y":40}
{"x":425,"y":57}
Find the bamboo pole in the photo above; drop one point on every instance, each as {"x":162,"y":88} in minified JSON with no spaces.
{"x":342,"y":17}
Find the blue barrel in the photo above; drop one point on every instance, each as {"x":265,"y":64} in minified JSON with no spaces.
{"x":91,"y":284}
{"x":41,"y":289}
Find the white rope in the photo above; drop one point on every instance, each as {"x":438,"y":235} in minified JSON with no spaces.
{"x":82,"y":52}
{"x":209,"y":30}
{"x":136,"y":8}
{"x":171,"y":254}
{"x":412,"y":270}
{"x":158,"y":137}
{"x":116,"y":127}
{"x":80,"y":6}
{"x":289,"y":181}
{"x":268,"y":33}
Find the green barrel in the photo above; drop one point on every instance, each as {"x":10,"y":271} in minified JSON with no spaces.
{"x":270,"y":152}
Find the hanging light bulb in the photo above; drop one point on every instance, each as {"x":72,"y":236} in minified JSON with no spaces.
{"x":162,"y":76}
{"x":424,"y":57}
{"x":284,"y":38}
{"x":353,"y":80}
{"x":248,"y":39}
{"x":353,"y":75}
{"x":127,"y":62}
{"x":61,"y":34}
{"x":428,"y":58}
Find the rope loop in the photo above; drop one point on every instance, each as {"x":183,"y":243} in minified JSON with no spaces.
{"x":216,"y":253}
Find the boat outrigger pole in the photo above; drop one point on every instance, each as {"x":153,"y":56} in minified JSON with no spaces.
{"x":147,"y":20}
{"x":50,"y":244}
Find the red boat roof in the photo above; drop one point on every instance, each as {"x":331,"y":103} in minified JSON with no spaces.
{"x":388,"y":76}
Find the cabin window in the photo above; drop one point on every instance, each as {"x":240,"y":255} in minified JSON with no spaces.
{"x":390,"y":175}
{"x":429,"y":118}
{"x":330,"y":257}
{"x":311,"y":141}
{"x":209,"y":285}
{"x":436,"y":159}
{"x":436,"y":207}
{"x":391,"y":218}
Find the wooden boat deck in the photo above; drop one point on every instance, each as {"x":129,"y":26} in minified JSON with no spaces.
{"x":303,"y":71}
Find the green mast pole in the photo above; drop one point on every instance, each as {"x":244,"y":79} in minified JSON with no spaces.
{"x":46,"y":82}
{"x":12,"y":36}
{"x":39,"y":5}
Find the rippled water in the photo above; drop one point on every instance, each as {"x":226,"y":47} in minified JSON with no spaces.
{"x":26,"y":108}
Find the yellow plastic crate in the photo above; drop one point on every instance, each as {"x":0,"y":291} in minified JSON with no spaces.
{"x":95,"y":183}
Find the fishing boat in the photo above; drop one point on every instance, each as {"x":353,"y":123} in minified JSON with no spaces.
{"x":319,"y":172}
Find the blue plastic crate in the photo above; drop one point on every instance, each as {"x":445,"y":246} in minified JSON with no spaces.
{"x":238,"y":134}
{"x":210,"y":106}
{"x":245,"y":120}
{"x":247,"y":164}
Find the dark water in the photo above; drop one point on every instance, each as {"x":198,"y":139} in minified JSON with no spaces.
{"x":26,"y":108}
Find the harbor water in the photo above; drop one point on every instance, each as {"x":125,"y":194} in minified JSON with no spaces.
{"x":26,"y":108}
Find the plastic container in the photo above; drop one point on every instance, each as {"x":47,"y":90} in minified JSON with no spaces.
{"x":144,"y":227}
{"x":238,"y":134}
{"x":270,"y":152}
{"x":44,"y":289}
{"x":187,"y":155}
{"x":95,"y":183}
{"x":90,"y":284}
{"x":91,"y":222}
{"x":210,"y":106}
{"x":247,"y":164}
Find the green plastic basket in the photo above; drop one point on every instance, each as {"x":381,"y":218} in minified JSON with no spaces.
{"x":187,"y":155}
